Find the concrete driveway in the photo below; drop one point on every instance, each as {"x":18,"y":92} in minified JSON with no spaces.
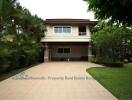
{"x":54,"y":81}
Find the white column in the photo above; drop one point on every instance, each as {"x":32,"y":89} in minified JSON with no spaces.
{"x":90,"y":52}
{"x":46,"y":53}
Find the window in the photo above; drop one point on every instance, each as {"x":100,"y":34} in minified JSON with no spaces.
{"x":60,"y":50}
{"x":66,"y":50}
{"x":55,"y":29}
{"x":82,"y":30}
{"x":63,"y":50}
{"x":62,"y":29}
{"x":66,"y":29}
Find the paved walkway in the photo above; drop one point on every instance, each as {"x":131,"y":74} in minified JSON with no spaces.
{"x":54,"y":81}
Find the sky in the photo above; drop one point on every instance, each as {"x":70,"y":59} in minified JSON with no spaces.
{"x":47,"y":9}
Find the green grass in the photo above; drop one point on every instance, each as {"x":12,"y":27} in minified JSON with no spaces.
{"x":117,"y":80}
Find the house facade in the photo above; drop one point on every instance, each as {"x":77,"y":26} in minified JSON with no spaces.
{"x":67,"y":40}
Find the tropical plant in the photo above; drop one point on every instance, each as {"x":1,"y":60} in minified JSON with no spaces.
{"x":113,"y":42}
{"x":20,"y":34}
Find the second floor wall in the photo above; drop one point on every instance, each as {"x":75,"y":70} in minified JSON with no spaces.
{"x":67,"y":30}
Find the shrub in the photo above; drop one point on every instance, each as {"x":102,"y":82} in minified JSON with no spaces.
{"x":113,"y":64}
{"x":108,"y":63}
{"x":4,"y":59}
{"x":4,"y":67}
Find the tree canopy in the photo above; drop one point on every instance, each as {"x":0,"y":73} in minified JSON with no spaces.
{"x":118,"y":11}
{"x":20,"y":34}
{"x":113,"y":42}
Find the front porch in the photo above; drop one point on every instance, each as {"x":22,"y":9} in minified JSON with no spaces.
{"x":69,"y":51}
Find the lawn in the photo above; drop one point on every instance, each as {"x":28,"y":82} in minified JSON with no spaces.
{"x":117,"y":80}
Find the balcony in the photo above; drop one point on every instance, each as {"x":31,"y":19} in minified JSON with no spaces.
{"x":82,"y":33}
{"x":82,"y":30}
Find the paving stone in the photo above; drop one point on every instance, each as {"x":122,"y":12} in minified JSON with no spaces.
{"x":55,"y":81}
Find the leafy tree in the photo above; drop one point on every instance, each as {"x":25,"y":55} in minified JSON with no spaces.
{"x":20,"y":34}
{"x":115,"y":10}
{"x":113,"y":42}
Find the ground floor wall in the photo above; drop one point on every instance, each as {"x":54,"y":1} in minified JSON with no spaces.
{"x":77,"y":51}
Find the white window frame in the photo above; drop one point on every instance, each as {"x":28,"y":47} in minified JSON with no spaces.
{"x":62,"y":30}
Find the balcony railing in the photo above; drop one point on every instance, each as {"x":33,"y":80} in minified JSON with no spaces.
{"x":82,"y":33}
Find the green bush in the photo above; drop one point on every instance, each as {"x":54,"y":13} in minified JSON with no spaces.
{"x":113,"y":64}
{"x":18,"y":54}
{"x":4,"y":59}
{"x":109,"y":63}
{"x":4,"y":67}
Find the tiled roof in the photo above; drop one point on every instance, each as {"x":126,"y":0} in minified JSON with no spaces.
{"x":69,"y":21}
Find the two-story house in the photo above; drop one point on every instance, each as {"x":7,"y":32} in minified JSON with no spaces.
{"x":67,"y":39}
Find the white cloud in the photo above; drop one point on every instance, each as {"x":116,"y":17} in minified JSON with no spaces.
{"x":58,"y":8}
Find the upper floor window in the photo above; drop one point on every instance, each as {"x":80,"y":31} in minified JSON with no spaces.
{"x":82,"y":30}
{"x":62,"y":29}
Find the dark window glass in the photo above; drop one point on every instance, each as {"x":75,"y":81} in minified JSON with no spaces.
{"x":60,"y":50}
{"x":66,"y":50}
{"x":63,"y":50}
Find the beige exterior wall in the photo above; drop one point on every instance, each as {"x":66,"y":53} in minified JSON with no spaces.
{"x":50,"y":36}
{"x":88,"y":31}
{"x":74,"y":31}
